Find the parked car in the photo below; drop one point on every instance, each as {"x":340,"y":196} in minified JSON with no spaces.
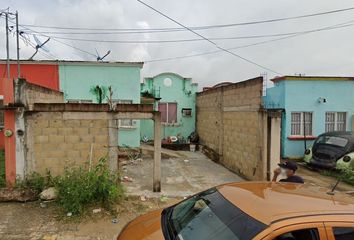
{"x":332,"y":150}
{"x":251,"y":210}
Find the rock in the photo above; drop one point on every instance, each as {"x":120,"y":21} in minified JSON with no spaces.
{"x":48,"y":194}
{"x":97,"y":210}
{"x":17,"y":195}
{"x":143,"y":198}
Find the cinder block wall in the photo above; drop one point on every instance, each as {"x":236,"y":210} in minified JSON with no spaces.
{"x":56,"y":140}
{"x":230,"y":122}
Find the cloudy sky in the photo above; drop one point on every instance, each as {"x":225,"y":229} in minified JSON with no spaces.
{"x":325,"y":52}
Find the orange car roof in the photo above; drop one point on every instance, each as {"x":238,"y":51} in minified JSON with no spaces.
{"x":270,"y":202}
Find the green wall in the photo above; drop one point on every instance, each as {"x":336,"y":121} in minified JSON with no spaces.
{"x":181,"y":91}
{"x":76,"y":80}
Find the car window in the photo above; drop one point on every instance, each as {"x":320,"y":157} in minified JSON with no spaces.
{"x":333,"y":140}
{"x":303,"y":234}
{"x":343,"y":233}
{"x":209,"y":216}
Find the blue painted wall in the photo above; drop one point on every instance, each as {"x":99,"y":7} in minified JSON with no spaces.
{"x":76,"y":80}
{"x":183,"y":92}
{"x":301,"y":95}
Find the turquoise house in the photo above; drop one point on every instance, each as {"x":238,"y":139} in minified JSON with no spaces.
{"x":175,"y":97}
{"x":89,"y":82}
{"x":311,"y":105}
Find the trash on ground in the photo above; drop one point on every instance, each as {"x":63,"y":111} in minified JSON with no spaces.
{"x":186,"y":160}
{"x":42,"y":205}
{"x":163,"y":198}
{"x":143,"y":198}
{"x":69,"y":214}
{"x":115,"y":220}
{"x":127,"y":179}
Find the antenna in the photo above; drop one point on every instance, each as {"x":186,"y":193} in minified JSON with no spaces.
{"x":39,"y":45}
{"x":101,"y":58}
{"x":334,"y":187}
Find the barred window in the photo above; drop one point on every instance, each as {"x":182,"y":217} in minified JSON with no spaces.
{"x":335,"y":121}
{"x":301,"y":123}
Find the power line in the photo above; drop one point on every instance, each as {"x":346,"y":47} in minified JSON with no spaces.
{"x":195,"y":39}
{"x":208,"y":40}
{"x":66,"y":44}
{"x":247,"y":45}
{"x":141,"y":30}
{"x":341,"y":25}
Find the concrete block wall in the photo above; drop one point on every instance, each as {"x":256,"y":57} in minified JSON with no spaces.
{"x":37,"y":94}
{"x":55,"y":141}
{"x":230,"y":122}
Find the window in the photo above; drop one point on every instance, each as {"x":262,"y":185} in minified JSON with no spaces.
{"x":1,"y":115}
{"x":336,"y":121}
{"x":124,"y":123}
{"x":303,"y":234}
{"x":301,"y":123}
{"x":168,"y":112}
{"x":343,"y":233}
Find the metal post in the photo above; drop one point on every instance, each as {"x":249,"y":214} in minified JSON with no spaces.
{"x":7,"y":46}
{"x":18,"y":47}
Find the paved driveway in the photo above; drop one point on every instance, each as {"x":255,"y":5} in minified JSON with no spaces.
{"x":181,"y":176}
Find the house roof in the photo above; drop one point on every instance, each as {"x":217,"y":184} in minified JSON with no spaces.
{"x":271,"y":202}
{"x":313,"y":78}
{"x":74,"y":62}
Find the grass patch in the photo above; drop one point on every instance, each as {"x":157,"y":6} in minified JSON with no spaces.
{"x":79,"y":188}
{"x":2,"y":169}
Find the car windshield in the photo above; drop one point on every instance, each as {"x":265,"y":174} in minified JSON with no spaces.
{"x":210,"y":216}
{"x":333,"y":140}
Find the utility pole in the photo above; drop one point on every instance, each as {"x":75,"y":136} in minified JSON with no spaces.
{"x":18,"y":48}
{"x":7,"y":45}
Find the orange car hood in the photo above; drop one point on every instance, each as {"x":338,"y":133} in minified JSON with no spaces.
{"x":145,"y":227}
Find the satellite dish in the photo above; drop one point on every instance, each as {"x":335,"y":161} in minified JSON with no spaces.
{"x":39,"y":45}
{"x":101,"y":58}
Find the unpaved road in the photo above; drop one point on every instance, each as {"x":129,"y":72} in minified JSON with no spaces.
{"x":30,"y":221}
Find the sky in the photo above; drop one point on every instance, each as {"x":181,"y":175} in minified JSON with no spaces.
{"x":327,"y":52}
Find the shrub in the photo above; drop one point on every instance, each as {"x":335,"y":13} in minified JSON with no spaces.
{"x":79,"y":187}
{"x":36,"y":182}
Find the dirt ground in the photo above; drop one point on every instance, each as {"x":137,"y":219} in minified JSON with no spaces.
{"x":31,"y":221}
